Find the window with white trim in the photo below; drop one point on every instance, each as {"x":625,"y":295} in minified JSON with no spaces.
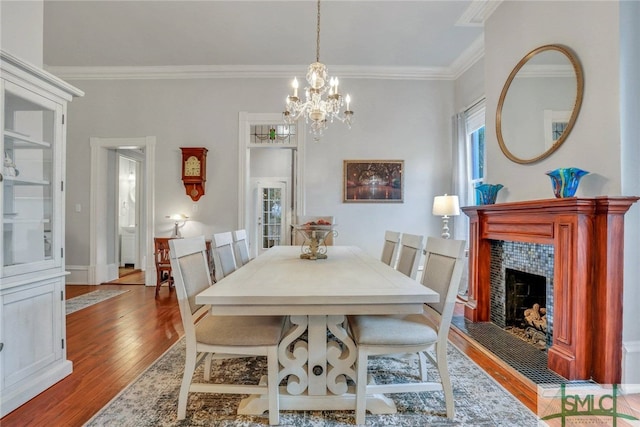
{"x":474,"y":124}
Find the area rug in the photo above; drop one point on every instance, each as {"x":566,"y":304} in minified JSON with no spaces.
{"x":91,"y":298}
{"x":152,"y":399}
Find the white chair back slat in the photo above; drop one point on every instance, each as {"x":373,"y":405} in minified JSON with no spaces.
{"x":224,"y":257}
{"x":410,"y":253}
{"x":390,"y":248}
{"x":241,"y":247}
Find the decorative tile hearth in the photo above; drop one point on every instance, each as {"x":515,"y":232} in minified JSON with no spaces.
{"x":521,"y":356}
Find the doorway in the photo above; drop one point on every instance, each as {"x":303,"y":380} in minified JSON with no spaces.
{"x":103,"y":256}
{"x":273,"y":154}
{"x":127,"y":207}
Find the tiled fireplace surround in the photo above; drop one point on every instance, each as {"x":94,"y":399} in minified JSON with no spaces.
{"x":586,"y":235}
{"x":533,"y":258}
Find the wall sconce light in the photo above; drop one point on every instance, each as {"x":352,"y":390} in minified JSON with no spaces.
{"x":446,"y":206}
{"x":177,"y":218}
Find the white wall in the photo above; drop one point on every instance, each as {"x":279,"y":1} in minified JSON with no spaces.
{"x":271,"y":162}
{"x":604,"y":140}
{"x":469,"y":87}
{"x":396,"y":119}
{"x":630,"y":129}
{"x":516,"y":28}
{"x":21,"y":29}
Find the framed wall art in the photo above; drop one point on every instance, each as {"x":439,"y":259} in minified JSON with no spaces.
{"x":378,"y":181}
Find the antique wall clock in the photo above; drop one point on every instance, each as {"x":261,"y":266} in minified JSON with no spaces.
{"x":194,"y":171}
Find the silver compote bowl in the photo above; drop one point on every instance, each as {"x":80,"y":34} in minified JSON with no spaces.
{"x":315,"y":235}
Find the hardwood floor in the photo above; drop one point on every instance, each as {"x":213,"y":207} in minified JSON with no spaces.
{"x":113,"y":342}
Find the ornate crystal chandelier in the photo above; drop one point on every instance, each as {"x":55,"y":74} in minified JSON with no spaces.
{"x":322,"y":101}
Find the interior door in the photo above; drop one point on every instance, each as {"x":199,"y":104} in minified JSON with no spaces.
{"x":271,"y":219}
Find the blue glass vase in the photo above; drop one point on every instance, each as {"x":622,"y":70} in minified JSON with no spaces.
{"x":565,"y":181}
{"x":486,"y":193}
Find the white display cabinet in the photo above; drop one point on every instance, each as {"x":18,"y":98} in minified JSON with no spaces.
{"x":32,"y":308}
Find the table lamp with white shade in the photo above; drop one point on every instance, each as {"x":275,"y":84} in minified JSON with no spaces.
{"x":446,"y":206}
{"x":177,"y":218}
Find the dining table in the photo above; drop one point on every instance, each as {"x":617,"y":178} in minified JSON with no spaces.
{"x":316,"y":355}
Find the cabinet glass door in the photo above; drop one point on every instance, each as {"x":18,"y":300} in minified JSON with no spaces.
{"x":30,"y":170}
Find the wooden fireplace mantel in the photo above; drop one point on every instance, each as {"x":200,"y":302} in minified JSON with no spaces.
{"x":587,"y":235}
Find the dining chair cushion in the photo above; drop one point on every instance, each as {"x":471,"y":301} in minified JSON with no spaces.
{"x":409,"y":330}
{"x":239,"y":330}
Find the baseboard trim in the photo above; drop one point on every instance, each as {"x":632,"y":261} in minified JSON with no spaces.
{"x":630,"y":367}
{"x":78,"y":274}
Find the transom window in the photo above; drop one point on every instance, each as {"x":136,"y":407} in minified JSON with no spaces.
{"x":270,"y":134}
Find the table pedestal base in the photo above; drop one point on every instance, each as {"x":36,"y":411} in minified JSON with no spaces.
{"x":258,"y":404}
{"x":316,"y":356}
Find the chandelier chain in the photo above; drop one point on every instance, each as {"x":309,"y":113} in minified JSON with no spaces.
{"x":318,"y":35}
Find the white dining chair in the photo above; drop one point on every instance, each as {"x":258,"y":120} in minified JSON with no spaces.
{"x":221,"y":336}
{"x":409,"y":254}
{"x":241,"y":247}
{"x":413,"y":333}
{"x":390,"y":248}
{"x":223,"y":254}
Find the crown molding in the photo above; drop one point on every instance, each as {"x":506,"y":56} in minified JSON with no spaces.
{"x":7,"y":60}
{"x":477,"y":13}
{"x":459,"y":66}
{"x":469,"y":56}
{"x":246,"y":72}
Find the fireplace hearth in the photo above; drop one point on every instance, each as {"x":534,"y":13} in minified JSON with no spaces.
{"x":530,"y":335}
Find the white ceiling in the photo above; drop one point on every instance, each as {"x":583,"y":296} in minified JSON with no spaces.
{"x":355,"y":34}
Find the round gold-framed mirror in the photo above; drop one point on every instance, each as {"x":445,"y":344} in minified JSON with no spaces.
{"x":539,"y":103}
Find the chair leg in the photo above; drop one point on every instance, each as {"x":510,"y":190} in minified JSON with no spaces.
{"x":423,"y":366}
{"x":207,"y":366}
{"x":272,"y":385}
{"x":443,"y":370}
{"x":189,"y":369}
{"x":158,"y":281}
{"x":361,"y":387}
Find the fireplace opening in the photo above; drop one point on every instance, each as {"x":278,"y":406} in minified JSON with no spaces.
{"x":526,"y":306}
